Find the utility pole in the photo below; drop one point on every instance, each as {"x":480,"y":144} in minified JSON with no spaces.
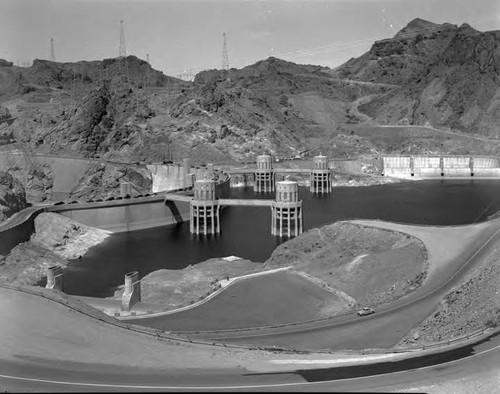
{"x":122,"y":51}
{"x":147,"y":71}
{"x":225,"y":58}
{"x":52,"y":51}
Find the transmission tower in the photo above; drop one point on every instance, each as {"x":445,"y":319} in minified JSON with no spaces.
{"x":122,"y":51}
{"x":225,"y":59}
{"x":52,"y":51}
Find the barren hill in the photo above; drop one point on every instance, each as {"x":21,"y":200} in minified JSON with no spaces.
{"x":428,"y":74}
{"x":449,"y":76}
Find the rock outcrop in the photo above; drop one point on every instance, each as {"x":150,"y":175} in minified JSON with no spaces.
{"x":12,"y":195}
{"x":448,"y":77}
{"x":65,"y":237}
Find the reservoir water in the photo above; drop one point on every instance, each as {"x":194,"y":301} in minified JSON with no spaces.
{"x":246,"y":232}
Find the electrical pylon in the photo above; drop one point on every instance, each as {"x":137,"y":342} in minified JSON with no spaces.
{"x":122,"y":51}
{"x":225,"y":58}
{"x":52,"y":51}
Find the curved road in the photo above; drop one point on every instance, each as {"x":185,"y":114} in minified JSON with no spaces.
{"x":40,"y":375}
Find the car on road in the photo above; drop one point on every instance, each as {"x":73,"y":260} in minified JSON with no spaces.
{"x":365,"y":311}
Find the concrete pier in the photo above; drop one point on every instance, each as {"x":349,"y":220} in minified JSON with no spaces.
{"x":204,"y":208}
{"x":54,"y":278}
{"x":132,"y":293}
{"x":321,"y":176}
{"x":264,"y":174}
{"x":286,"y":211}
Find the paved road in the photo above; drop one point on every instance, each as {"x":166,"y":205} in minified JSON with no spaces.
{"x":41,"y":375}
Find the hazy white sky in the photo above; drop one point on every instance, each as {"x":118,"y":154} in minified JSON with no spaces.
{"x":187,"y":34}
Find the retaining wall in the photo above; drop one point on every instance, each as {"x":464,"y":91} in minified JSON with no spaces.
{"x":132,"y":214}
{"x":17,"y":229}
{"x":422,"y":167}
{"x":172,"y":176}
{"x":125,"y":215}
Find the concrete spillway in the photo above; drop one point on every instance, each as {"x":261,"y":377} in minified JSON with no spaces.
{"x":427,"y":167}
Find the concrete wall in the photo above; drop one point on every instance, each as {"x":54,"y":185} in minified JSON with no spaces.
{"x":119,"y":216}
{"x":486,"y":167}
{"x":132,"y":214}
{"x":172,"y":176}
{"x":19,"y":231}
{"x":438,"y":166}
{"x":166,"y":177}
{"x":424,"y":166}
{"x":397,"y":166}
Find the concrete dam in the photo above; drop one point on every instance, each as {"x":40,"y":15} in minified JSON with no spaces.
{"x":429,"y":167}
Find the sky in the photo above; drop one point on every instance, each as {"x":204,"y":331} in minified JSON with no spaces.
{"x":184,"y":36}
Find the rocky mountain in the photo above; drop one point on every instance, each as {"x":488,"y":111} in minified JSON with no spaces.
{"x":448,"y":77}
{"x":428,"y":74}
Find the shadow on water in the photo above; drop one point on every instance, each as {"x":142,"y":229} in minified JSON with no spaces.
{"x":246,"y":231}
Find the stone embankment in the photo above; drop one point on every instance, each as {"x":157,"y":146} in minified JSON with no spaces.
{"x":471,"y":306}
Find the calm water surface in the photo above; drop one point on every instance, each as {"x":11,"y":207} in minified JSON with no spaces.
{"x":246,"y":232}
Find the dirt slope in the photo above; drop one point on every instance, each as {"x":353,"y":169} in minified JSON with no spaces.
{"x":370,"y":266}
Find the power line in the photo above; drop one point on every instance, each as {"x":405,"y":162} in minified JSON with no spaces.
{"x":361,"y":42}
{"x":341,"y":46}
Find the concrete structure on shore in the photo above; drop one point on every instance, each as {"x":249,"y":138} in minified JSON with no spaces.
{"x":204,"y":208}
{"x":264,"y":174}
{"x":132,"y":292}
{"x":54,"y":278}
{"x":171,"y":176}
{"x":125,"y":189}
{"x":428,"y":167}
{"x":320,"y":174}
{"x":287,"y":210}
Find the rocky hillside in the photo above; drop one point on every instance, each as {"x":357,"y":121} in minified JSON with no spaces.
{"x":427,"y":74}
{"x":12,"y":195}
{"x":448,"y":77}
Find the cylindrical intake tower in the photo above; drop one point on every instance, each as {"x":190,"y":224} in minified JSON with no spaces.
{"x":321,"y":176}
{"x":264,"y":174}
{"x":204,"y":208}
{"x":286,"y":211}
